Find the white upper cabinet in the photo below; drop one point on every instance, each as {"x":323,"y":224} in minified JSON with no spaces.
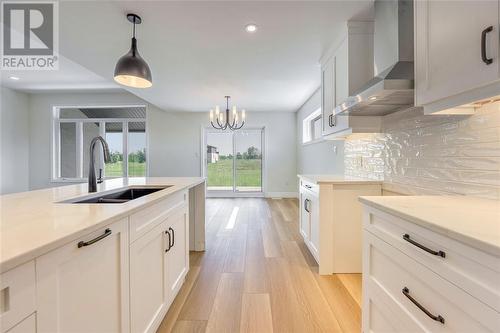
{"x":456,"y":52}
{"x":328,"y":95}
{"x":345,"y":68}
{"x":83,"y":286}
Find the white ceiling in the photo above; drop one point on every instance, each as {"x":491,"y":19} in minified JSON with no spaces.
{"x":70,"y":77}
{"x":199,"y":51}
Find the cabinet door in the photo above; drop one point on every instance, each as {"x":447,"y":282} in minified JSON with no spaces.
{"x":83,"y":285}
{"x":178,"y":252}
{"x":342,"y":73}
{"x":328,"y":95}
{"x":304,"y":216}
{"x":148,"y":276}
{"x":314,"y":220}
{"x":448,"y":47}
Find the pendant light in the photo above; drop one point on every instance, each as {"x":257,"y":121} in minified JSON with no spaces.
{"x":131,"y":70}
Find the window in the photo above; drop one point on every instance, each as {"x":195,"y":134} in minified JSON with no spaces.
{"x":123,"y":128}
{"x":311,"y":127}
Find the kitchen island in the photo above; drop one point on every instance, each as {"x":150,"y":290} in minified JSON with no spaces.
{"x":118,"y":264}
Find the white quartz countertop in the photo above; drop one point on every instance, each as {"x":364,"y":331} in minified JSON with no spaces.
{"x":473,"y":221}
{"x":35,"y":222}
{"x":338,"y":179}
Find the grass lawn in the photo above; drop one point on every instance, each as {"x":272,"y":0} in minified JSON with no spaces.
{"x":135,"y":169}
{"x":248,"y":173}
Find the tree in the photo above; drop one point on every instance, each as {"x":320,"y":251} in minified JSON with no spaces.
{"x":253,"y":153}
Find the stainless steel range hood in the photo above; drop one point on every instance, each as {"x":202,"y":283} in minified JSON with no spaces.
{"x":391,"y":89}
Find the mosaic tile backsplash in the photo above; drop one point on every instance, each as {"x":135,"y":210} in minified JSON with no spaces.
{"x":433,"y":154}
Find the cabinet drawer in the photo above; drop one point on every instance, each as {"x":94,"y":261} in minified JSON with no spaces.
{"x":474,"y":271}
{"x":146,"y":219}
{"x":309,"y":186}
{"x":17,"y":295}
{"x":28,"y":325}
{"x":393,"y":271}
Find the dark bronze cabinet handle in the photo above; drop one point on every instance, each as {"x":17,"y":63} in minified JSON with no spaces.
{"x":309,"y":186}
{"x":169,"y":240}
{"x":106,"y":233}
{"x":306,"y":203}
{"x":173,"y":236}
{"x":407,"y":238}
{"x":331,"y":120}
{"x":486,"y":60}
{"x":406,"y":292}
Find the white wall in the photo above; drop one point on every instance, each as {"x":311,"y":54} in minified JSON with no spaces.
{"x":14,"y":141}
{"x":319,"y":157}
{"x":174,"y":139}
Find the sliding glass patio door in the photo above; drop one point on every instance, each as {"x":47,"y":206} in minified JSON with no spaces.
{"x":234,"y":161}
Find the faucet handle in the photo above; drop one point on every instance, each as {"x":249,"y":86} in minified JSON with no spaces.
{"x":100,"y":180}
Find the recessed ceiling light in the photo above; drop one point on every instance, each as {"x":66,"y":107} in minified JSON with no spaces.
{"x":15,"y":78}
{"x":251,"y":28}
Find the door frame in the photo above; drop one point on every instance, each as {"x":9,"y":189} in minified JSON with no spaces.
{"x":234,"y":193}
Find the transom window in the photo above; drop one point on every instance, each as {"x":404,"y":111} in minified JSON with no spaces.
{"x":123,"y":128}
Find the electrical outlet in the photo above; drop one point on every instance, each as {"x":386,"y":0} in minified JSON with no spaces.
{"x":335,"y":149}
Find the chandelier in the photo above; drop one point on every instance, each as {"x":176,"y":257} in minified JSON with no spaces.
{"x":223,"y":122}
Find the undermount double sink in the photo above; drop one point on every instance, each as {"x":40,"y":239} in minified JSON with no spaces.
{"x":118,"y":196}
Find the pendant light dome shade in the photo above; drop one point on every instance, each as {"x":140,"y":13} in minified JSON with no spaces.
{"x":131,"y":69}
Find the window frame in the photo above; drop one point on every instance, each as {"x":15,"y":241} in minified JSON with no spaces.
{"x":80,"y":150}
{"x":308,"y":133}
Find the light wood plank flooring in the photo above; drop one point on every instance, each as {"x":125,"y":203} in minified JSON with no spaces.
{"x":258,"y":276}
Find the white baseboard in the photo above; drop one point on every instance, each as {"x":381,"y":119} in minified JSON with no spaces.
{"x":281,"y":195}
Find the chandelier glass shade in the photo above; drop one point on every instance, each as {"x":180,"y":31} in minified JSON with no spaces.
{"x":224,"y":120}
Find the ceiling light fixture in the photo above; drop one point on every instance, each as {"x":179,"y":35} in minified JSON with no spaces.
{"x":231,"y":122}
{"x":15,"y":78}
{"x":131,"y":70}
{"x":251,"y":28}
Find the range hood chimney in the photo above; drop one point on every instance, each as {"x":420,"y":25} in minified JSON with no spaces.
{"x":391,"y":89}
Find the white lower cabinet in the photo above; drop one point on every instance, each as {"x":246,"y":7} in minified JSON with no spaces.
{"x":148,"y":279}
{"x":83,"y":286}
{"x":178,"y":252}
{"x":159,"y":261}
{"x":406,"y":290}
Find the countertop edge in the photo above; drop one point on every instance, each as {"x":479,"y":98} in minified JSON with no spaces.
{"x":457,"y":236}
{"x":10,"y":263}
{"x":339,"y":181}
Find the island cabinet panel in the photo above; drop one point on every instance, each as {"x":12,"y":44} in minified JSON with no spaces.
{"x":148,"y":279}
{"x":178,"y":251}
{"x":83,"y":286}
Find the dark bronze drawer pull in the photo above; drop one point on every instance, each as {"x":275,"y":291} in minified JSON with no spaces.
{"x":169,"y":240}
{"x":106,"y":233}
{"x":485,"y":59}
{"x":406,"y":292}
{"x":173,"y":236}
{"x":407,"y":238}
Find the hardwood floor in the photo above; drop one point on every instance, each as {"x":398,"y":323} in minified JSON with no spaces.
{"x":257,"y":275}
